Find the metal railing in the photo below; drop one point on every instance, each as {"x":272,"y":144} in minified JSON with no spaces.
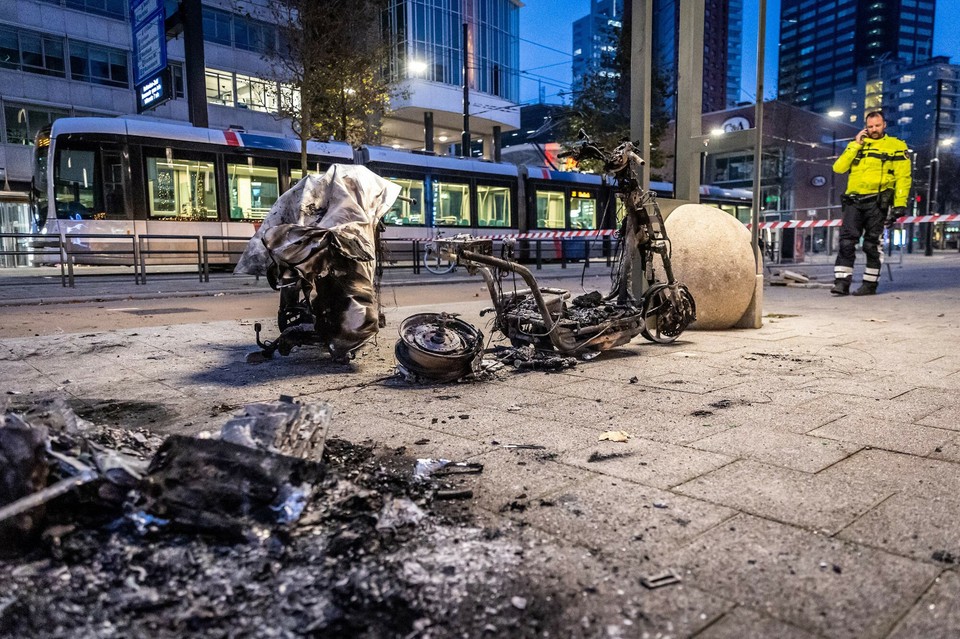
{"x":201,"y":252}
{"x":112,"y":253}
{"x":225,"y":251}
{"x":144,"y":250}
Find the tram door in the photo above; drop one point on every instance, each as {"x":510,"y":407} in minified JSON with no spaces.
{"x":113,"y":196}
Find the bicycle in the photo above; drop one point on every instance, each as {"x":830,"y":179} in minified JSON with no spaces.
{"x":435,"y":260}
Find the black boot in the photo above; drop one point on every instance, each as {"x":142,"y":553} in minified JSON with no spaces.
{"x":867,"y":288}
{"x":841,"y":286}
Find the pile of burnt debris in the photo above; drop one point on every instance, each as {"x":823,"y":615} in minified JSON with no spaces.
{"x":266,"y":529}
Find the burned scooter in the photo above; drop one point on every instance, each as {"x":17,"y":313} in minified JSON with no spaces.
{"x":318,"y":247}
{"x":548,"y":319}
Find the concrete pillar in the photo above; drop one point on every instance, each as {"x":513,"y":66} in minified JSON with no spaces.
{"x":428,"y":131}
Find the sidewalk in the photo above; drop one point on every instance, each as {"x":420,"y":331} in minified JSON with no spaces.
{"x":802,"y":479}
{"x":44,"y":285}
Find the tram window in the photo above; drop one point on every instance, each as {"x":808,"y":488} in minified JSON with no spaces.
{"x":451,"y":204}
{"x":403,"y":212}
{"x":493,"y":205}
{"x":296,"y":173}
{"x":583,"y":213}
{"x":550,"y":210}
{"x":253,"y":190}
{"x":181,"y":189}
{"x":75,"y":184}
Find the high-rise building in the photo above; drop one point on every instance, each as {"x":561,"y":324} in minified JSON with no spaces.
{"x":428,"y":53}
{"x":920,"y":101}
{"x":594,"y":37}
{"x":722,"y":48}
{"x":824,"y":43}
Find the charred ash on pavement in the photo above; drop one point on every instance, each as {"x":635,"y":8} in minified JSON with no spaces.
{"x":386,"y":546}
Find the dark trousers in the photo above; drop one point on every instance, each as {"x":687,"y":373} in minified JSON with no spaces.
{"x":863,"y":217}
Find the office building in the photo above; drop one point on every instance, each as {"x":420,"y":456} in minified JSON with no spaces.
{"x":919,"y":101}
{"x":595,"y":38}
{"x":825,"y":43}
{"x":722,"y":46}
{"x":74,"y":57}
{"x":428,"y":54}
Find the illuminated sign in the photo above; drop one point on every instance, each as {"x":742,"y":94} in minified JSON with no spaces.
{"x":154,"y":92}
{"x":585,"y":194}
{"x":736,"y":123}
{"x":149,"y":39}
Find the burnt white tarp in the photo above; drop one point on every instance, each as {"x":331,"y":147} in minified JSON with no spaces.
{"x":320,"y":236}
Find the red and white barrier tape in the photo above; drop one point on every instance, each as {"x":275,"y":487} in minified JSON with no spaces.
{"x":808,"y":224}
{"x":790,"y":224}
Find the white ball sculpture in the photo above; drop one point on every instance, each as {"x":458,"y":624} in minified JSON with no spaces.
{"x":713,"y":257}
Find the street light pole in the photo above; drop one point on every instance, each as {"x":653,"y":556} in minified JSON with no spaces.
{"x":932,"y":206}
{"x":833,"y":114}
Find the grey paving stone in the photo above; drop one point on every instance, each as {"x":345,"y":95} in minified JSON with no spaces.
{"x":896,"y":472}
{"x":620,"y":520}
{"x":646,"y":462}
{"x":946,"y":416}
{"x":937,"y":614}
{"x":671,"y":426}
{"x":811,"y":501}
{"x":789,"y":450}
{"x":514,"y":479}
{"x":949,"y":451}
{"x":420,"y":442}
{"x":825,"y":586}
{"x":744,"y":623}
{"x":594,"y":415}
{"x":596,"y":596}
{"x":895,"y":526}
{"x":911,"y":406}
{"x":886,"y":434}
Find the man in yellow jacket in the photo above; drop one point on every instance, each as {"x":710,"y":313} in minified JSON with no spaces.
{"x":876,"y":196}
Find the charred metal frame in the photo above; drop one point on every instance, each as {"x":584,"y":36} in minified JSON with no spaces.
{"x":660,"y":311}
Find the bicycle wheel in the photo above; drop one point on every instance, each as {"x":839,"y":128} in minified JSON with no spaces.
{"x":667,"y":311}
{"x":434,"y":262}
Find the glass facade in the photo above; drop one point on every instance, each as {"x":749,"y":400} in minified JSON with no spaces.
{"x":23,"y":122}
{"x":428,"y":43}
{"x":823,"y":45}
{"x":109,"y":8}
{"x":30,"y":51}
{"x":98,"y":65}
{"x":239,"y":31}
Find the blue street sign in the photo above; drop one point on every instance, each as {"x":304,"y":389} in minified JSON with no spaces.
{"x":147,"y":19}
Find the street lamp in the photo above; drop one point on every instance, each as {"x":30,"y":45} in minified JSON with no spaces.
{"x":833,"y":114}
{"x":933,"y":207}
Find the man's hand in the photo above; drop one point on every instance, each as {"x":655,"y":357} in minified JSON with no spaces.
{"x":894,"y":214}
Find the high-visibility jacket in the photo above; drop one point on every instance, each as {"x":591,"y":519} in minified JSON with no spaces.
{"x":875,"y":166}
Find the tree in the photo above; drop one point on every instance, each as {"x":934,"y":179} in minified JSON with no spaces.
{"x":332,"y":65}
{"x":601,"y":101}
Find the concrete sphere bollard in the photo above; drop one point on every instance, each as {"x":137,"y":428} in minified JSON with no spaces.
{"x":713,"y":257}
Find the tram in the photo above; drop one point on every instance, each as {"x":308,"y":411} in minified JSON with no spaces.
{"x":137,"y":177}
